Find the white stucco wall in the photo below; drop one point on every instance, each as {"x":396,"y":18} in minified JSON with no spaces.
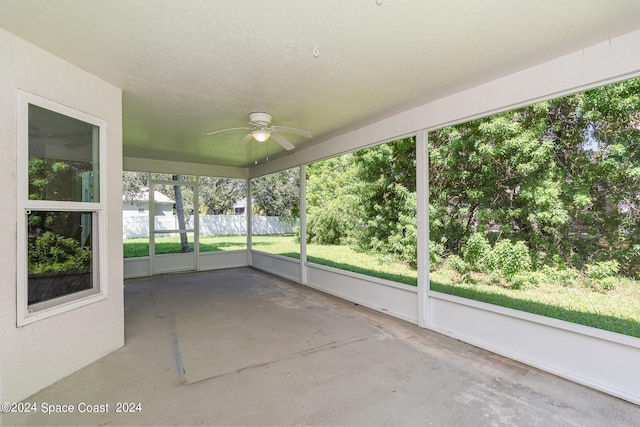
{"x":38,"y":354}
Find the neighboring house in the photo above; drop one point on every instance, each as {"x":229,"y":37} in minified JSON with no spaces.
{"x":240,"y":207}
{"x":140,"y":205}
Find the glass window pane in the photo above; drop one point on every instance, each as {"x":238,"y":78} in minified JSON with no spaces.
{"x":63,"y":157}
{"x":60,"y":253}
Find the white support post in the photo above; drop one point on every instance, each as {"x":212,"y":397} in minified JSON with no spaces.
{"x":196,"y":222}
{"x":303,"y":224}
{"x":152,"y":234}
{"x":248,"y":212}
{"x":422,"y":190}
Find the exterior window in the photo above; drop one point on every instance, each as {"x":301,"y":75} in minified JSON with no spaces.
{"x":59,"y":208}
{"x":60,"y":254}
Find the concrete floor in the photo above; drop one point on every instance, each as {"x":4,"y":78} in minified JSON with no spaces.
{"x":242,"y":347}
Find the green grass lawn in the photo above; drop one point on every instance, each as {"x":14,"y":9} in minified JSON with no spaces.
{"x":616,"y":311}
{"x":134,"y":248}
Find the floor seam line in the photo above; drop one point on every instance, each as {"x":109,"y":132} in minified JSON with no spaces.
{"x":328,"y":346}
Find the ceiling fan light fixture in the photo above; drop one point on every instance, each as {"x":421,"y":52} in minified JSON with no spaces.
{"x":260,"y":135}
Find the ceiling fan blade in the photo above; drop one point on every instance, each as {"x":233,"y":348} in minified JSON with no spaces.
{"x":228,"y":130}
{"x":245,"y":140}
{"x":292,"y":130}
{"x":282,"y":141}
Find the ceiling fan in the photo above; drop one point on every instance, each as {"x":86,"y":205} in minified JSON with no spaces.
{"x":262,"y":130}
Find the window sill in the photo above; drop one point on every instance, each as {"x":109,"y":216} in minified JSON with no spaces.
{"x":48,"y":309}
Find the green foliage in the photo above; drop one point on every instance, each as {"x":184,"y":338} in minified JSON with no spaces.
{"x":387,"y":200}
{"x":436,"y":253}
{"x":54,"y":253}
{"x":476,"y":251}
{"x":511,"y":258}
{"x":133,"y":184}
{"x":52,"y":179}
{"x":332,"y":201}
{"x":278,"y":194}
{"x":403,"y":242}
{"x":327,"y":227}
{"x":526,"y":280}
{"x":602,"y":270}
{"x":367,"y":200}
{"x":561,"y":175}
{"x":603,"y":274}
{"x":458,"y":264}
{"x":608,"y":283}
{"x":568,"y":277}
{"x":506,"y":260}
{"x":218,"y":196}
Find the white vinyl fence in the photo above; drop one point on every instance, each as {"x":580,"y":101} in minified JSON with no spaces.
{"x":138,"y":225}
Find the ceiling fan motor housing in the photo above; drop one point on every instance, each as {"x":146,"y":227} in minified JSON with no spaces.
{"x":260,"y":119}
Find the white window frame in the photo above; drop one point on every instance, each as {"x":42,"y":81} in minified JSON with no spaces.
{"x":99,"y":290}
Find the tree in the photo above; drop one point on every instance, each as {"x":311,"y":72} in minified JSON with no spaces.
{"x":495,"y":173}
{"x":562,"y":175}
{"x":278,"y":194}
{"x":218,"y":196}
{"x":387,"y":173}
{"x":134,"y":183}
{"x":366,"y":199}
{"x":332,"y":200}
{"x":184,"y":242}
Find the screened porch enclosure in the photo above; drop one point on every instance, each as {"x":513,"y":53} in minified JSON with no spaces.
{"x":469,"y":199}
{"x":322,"y":225}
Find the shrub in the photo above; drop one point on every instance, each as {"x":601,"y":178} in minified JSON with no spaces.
{"x":458,"y":264}
{"x":436,"y":250}
{"x":326,"y":227}
{"x":608,"y":283}
{"x":601,"y":270}
{"x":527,"y":280}
{"x":629,"y":259}
{"x":403,"y":242}
{"x":562,"y":276}
{"x":603,"y":274}
{"x":511,"y":258}
{"x":475,"y":251}
{"x":54,"y":253}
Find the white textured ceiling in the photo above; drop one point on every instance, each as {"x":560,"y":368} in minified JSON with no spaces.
{"x":190,"y":67}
